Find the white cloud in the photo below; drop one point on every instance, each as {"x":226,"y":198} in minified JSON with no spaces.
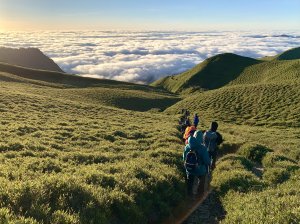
{"x":145,"y":56}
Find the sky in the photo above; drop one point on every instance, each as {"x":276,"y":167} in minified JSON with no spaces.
{"x":143,"y":40}
{"x":149,"y":14}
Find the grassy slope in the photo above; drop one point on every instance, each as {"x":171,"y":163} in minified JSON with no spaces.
{"x":66,"y":158}
{"x":289,"y":55}
{"x":63,"y":133}
{"x":261,"y":106}
{"x":251,"y":197}
{"x":213,"y":73}
{"x":264,"y":94}
{"x":218,"y":71}
{"x":106,"y":92}
{"x":270,"y":72}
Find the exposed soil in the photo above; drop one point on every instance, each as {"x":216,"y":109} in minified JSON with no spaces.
{"x":209,"y":212}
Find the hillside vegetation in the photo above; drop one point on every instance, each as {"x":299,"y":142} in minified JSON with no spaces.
{"x":223,"y":69}
{"x":279,"y":72}
{"x":101,"y":91}
{"x":82,"y":150}
{"x":266,"y":93}
{"x":68,"y":158}
{"x":258,"y":105}
{"x":291,"y":54}
{"x":257,"y":175}
{"x":213,"y":73}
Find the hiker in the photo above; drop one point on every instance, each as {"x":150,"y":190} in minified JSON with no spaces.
{"x":185,"y":113}
{"x":189,"y":131}
{"x":196,"y":161}
{"x":196,"y":120}
{"x":182,"y":125}
{"x":212,"y":139}
{"x":187,"y":121}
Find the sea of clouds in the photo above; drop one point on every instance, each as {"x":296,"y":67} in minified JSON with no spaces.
{"x":143,"y":57}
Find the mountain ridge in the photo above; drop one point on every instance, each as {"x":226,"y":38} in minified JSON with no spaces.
{"x":28,"y":57}
{"x":219,"y":71}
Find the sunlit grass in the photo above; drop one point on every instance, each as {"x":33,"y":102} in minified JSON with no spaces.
{"x":66,"y":156}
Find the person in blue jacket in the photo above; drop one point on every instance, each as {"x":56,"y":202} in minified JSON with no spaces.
{"x":196,"y":143}
{"x":196,"y":120}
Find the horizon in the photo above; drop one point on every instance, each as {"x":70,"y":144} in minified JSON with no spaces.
{"x":174,"y":15}
{"x":142,"y":41}
{"x":143,"y":57}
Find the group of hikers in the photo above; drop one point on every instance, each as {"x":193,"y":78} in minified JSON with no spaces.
{"x":200,"y":152}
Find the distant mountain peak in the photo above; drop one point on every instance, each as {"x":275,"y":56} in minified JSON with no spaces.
{"x":28,"y":57}
{"x":214,"y":72}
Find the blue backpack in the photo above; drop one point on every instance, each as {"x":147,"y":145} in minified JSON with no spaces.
{"x":191,"y":161}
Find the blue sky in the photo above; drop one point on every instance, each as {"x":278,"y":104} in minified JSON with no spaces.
{"x":150,"y":14}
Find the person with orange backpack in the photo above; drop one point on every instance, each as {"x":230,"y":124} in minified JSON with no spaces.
{"x":189,"y":131}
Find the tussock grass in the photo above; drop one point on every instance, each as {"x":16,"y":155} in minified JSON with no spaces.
{"x":68,"y":158}
{"x":75,"y":155}
{"x":274,"y":205}
{"x":271,"y":105}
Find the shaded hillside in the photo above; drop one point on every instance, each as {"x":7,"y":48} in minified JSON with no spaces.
{"x":28,"y":57}
{"x":105,"y":92}
{"x":213,"y":73}
{"x":289,"y":54}
{"x":68,"y":80}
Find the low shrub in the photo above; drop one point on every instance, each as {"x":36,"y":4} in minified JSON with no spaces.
{"x":275,"y":205}
{"x":254,"y":152}
{"x":62,"y":217}
{"x":236,"y":180}
{"x":271,"y":159}
{"x":233,"y":161}
{"x":6,"y":216}
{"x":275,"y":176}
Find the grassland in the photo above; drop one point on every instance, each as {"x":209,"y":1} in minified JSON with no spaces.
{"x":213,"y":73}
{"x":259,"y":105}
{"x":257,"y":176}
{"x":69,"y":157}
{"x":79,"y":150}
{"x":224,"y":69}
{"x":105,"y":92}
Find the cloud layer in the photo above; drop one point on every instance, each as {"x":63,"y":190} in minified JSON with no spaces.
{"x":143,"y":57}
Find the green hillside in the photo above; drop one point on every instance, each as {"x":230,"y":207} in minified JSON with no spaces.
{"x":81,"y":150}
{"x":257,"y":104}
{"x":68,"y":158}
{"x":213,"y":73}
{"x":218,"y":71}
{"x":270,"y":72}
{"x":289,"y":54}
{"x":259,"y":115}
{"x":106,"y":92}
{"x":263,"y":94}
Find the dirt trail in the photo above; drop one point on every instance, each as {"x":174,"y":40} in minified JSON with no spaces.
{"x":209,"y":212}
